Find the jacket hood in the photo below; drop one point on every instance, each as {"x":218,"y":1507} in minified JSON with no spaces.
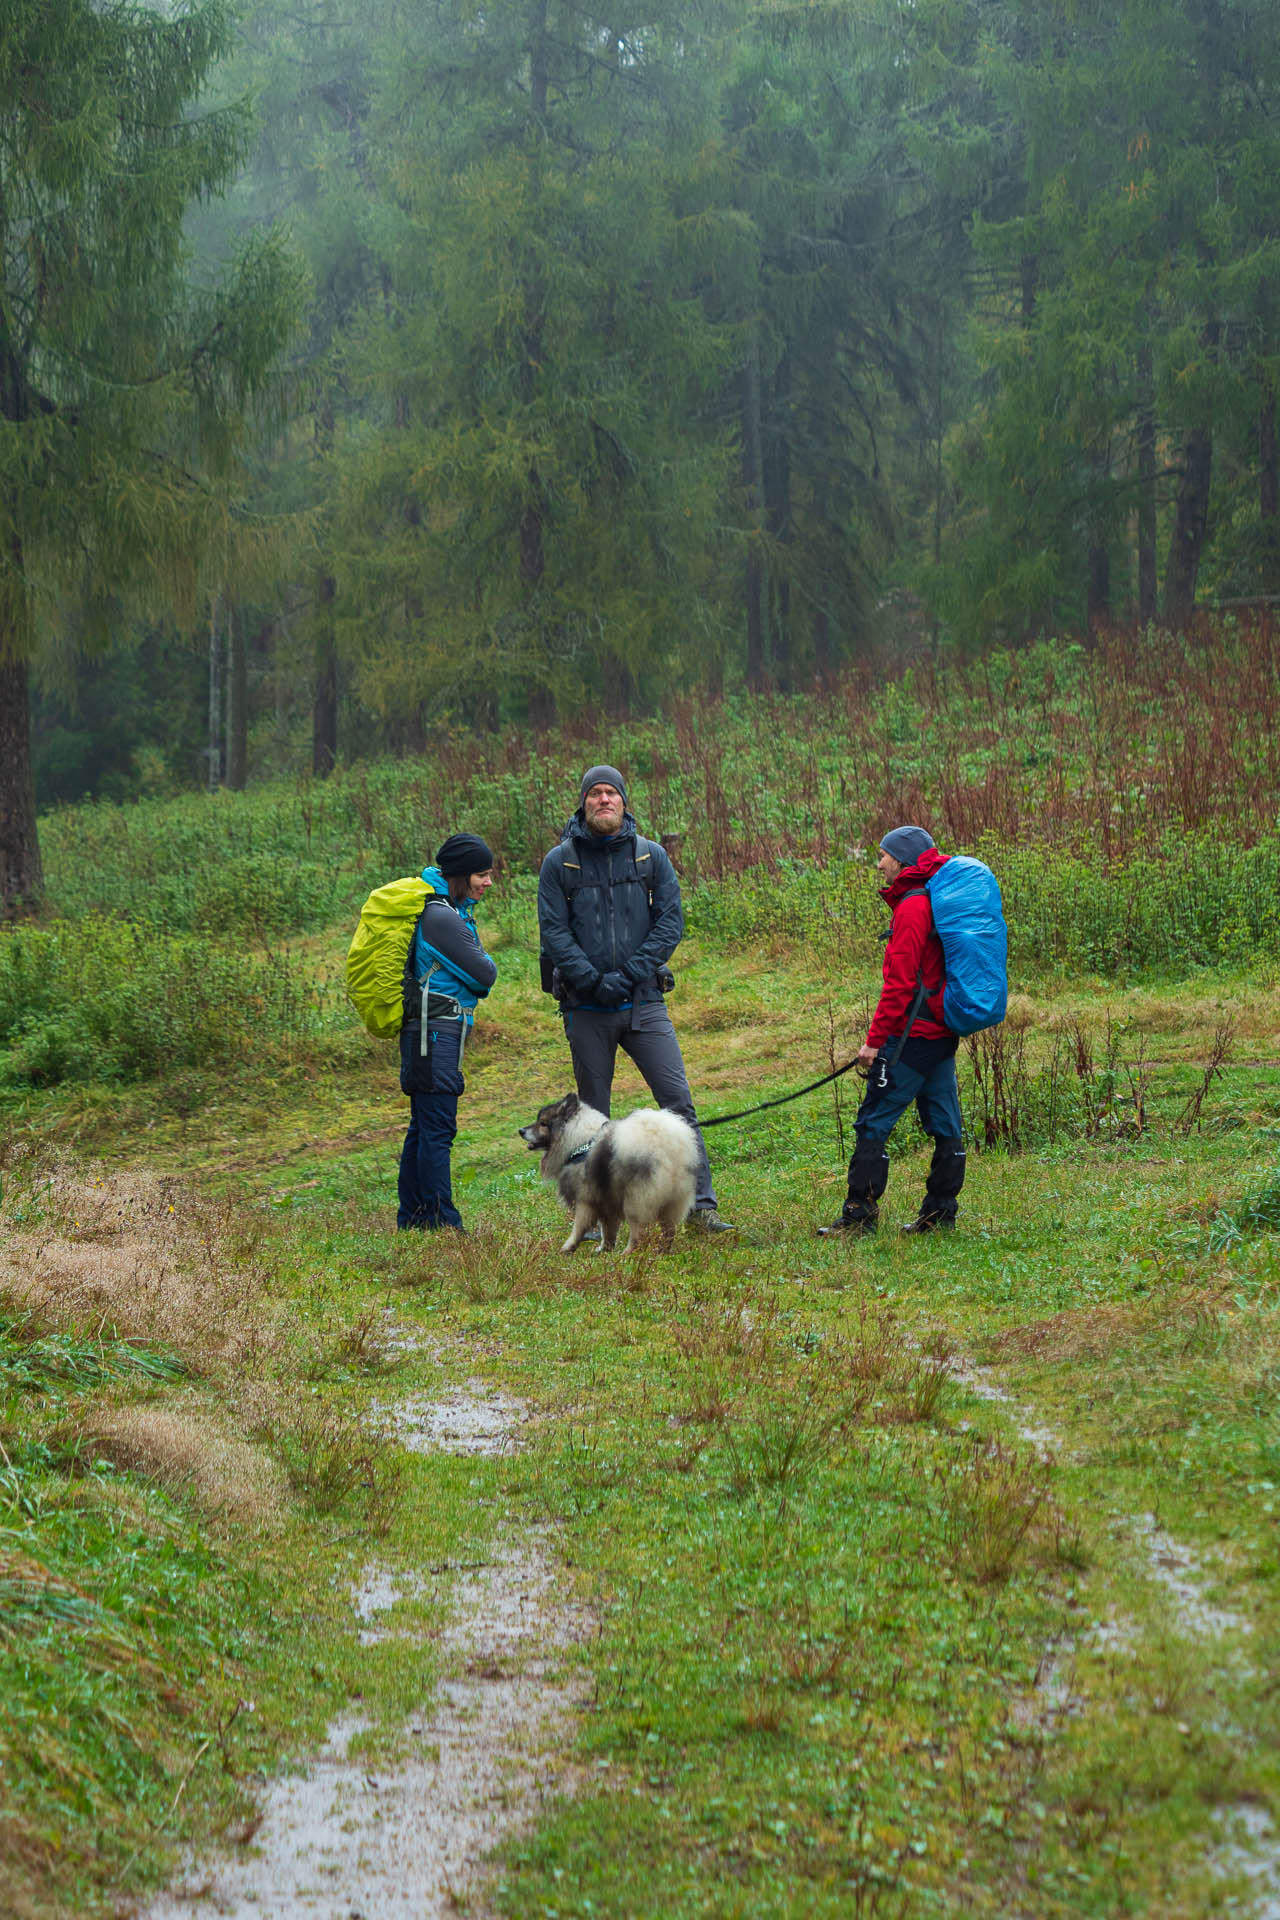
{"x":578,"y":829}
{"x":910,"y":877}
{"x":438,"y":884}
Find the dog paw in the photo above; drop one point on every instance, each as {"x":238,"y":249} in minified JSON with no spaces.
{"x":570,"y":1246}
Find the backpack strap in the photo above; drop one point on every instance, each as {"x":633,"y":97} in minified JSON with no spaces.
{"x":918,"y":1002}
{"x":912,"y":1017}
{"x":912,"y":893}
{"x":571,"y":876}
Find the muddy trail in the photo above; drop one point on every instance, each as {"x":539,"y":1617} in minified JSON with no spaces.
{"x":345,"y":1840}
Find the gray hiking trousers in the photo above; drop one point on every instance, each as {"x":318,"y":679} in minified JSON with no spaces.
{"x":646,"y":1033}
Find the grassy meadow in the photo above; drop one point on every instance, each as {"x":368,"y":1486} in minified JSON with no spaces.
{"x":936,"y":1575}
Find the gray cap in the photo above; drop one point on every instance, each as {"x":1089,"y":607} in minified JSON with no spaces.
{"x":602,"y":777}
{"x":906,"y":844}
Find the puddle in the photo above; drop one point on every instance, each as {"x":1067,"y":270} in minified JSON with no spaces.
{"x":967,"y":1373}
{"x":348,"y":1840}
{"x":378,"y":1590}
{"x":470,"y":1419}
{"x":1052,"y":1698}
{"x":1179,"y":1571}
{"x":1250,"y":1852}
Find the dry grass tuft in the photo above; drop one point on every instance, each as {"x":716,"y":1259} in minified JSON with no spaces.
{"x":120,"y":1254}
{"x":1079,"y":1333}
{"x":993,"y":1498}
{"x":1101,"y":1332}
{"x":26,"y":1856}
{"x":331,"y":1455}
{"x":189,"y":1453}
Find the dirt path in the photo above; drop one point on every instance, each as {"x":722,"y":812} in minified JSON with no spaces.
{"x":343,"y":1841}
{"x":1249,"y":1845}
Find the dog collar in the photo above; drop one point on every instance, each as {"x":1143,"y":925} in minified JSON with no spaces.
{"x":572,"y":1159}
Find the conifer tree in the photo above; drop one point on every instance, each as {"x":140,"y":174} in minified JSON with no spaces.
{"x":1141,"y":349}
{"x":818,"y":171}
{"x":527,"y":508}
{"x":123,"y":387}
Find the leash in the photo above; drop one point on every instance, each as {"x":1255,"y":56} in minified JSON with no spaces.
{"x":826,"y":1080}
{"x":745,"y":1113}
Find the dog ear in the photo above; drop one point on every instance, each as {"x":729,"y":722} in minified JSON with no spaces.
{"x":569,"y":1106}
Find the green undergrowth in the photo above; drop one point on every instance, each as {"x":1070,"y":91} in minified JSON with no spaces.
{"x":866,"y":1639}
{"x":923,"y":1576}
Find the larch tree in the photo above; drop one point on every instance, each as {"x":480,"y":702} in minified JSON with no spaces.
{"x":123,"y":386}
{"x":310,"y":68}
{"x":527,"y":504}
{"x":1129,"y":336}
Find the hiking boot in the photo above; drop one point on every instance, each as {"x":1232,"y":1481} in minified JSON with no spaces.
{"x":710,"y":1220}
{"x":928,"y":1222}
{"x":855,"y":1228}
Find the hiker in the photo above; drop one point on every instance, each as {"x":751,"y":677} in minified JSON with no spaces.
{"x":908,"y":1059}
{"x":448,"y":971}
{"x":610,"y":919}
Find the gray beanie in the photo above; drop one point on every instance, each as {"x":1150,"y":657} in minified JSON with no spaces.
{"x":906,"y":844}
{"x":601,"y":777}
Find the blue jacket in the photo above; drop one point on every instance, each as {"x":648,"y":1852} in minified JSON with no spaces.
{"x":446,"y":955}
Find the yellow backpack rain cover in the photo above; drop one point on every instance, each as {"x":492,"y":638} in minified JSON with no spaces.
{"x":377,"y":955}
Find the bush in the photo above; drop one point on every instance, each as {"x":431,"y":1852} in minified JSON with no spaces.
{"x":1198,"y":902}
{"x":102,"y":1000}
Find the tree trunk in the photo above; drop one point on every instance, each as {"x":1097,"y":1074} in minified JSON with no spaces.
{"x":1191,"y":518}
{"x":21,"y":871}
{"x":237,"y":704}
{"x":542,"y":708}
{"x":1098,"y":602}
{"x":1029,"y":274}
{"x":530,"y":530}
{"x":753,"y":489}
{"x":619,"y":687}
{"x":777,"y":485}
{"x":1146,"y":488}
{"x":324,"y":694}
{"x":1191,"y":510}
{"x":1268,"y":459}
{"x":213,"y":751}
{"x":822,"y":644}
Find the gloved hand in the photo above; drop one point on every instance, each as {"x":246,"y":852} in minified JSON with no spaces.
{"x":614,"y":988}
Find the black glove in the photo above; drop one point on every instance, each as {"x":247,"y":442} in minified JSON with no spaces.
{"x":613,"y":989}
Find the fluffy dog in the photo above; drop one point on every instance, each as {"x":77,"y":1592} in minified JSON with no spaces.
{"x":641,"y":1169}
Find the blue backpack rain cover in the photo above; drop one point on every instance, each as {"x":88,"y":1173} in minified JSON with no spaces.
{"x":969,"y":917}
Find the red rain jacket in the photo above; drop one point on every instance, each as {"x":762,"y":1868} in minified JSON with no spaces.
{"x":913,"y":949}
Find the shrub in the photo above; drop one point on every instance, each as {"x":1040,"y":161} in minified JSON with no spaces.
{"x":103,"y":1000}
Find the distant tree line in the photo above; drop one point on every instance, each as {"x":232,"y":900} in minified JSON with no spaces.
{"x":372,"y":369}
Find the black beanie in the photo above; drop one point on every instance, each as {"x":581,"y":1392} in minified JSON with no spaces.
{"x":601,"y":777}
{"x":463,"y":853}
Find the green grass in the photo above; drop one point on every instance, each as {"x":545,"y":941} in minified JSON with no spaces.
{"x":826,"y":1576}
{"x":875,"y":1634}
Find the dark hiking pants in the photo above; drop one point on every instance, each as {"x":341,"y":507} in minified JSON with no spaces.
{"x":646,"y":1033}
{"x":425,"y":1186}
{"x":925,"y":1073}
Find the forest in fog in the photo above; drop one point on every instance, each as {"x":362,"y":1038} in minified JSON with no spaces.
{"x":371,"y":369}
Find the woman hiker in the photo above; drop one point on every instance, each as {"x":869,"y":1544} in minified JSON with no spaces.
{"x":448,"y":971}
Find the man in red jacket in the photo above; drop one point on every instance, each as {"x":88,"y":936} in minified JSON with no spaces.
{"x":923,"y":1067}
